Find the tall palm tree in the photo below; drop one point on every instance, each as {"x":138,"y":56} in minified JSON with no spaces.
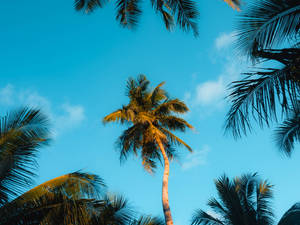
{"x":242,"y":201}
{"x":264,"y":94}
{"x":182,"y":12}
{"x":151,"y":120}
{"x":63,"y":200}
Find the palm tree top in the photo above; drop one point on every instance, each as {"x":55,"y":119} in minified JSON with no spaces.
{"x":150,"y":115}
{"x":243,"y":200}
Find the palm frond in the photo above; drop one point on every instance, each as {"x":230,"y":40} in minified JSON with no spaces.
{"x":257,"y":95}
{"x":76,"y":185}
{"x":88,"y":6}
{"x":235,"y":4}
{"x":186,"y":14}
{"x":203,"y":218}
{"x":22,"y":133}
{"x":292,"y":216}
{"x":121,"y":115}
{"x":171,"y":105}
{"x":175,"y":140}
{"x":115,"y":210}
{"x":174,"y":123}
{"x":128,"y":12}
{"x":267,"y":23}
{"x":289,"y":132}
{"x":148,"y":220}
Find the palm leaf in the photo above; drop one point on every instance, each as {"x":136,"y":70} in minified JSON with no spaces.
{"x":202,"y":218}
{"x":128,"y":12}
{"x":148,"y":220}
{"x":267,"y":23}
{"x":289,"y":132}
{"x":22,"y":133}
{"x":258,"y":95}
{"x":88,"y":6}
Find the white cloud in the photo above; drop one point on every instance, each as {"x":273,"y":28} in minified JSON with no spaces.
{"x":225,"y":40}
{"x":68,"y":117}
{"x":210,"y":92}
{"x":72,"y":116}
{"x":196,"y":158}
{"x":6,"y":95}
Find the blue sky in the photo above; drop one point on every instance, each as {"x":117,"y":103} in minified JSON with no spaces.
{"x":75,"y":68}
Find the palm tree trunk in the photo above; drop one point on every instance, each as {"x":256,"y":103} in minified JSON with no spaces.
{"x":165,"y":195}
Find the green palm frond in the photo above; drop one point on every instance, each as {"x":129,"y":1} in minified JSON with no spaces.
{"x":22,"y":133}
{"x":76,"y":185}
{"x":259,"y":95}
{"x":268,"y":23}
{"x":50,"y":209}
{"x":289,"y":131}
{"x":128,"y":12}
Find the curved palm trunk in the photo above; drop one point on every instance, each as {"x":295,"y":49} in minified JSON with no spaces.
{"x":165,"y":196}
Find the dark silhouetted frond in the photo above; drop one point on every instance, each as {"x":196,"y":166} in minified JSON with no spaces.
{"x":259,"y":95}
{"x":22,"y":133}
{"x":88,"y":6}
{"x":128,"y":12}
{"x":267,"y":23}
{"x":289,"y":131}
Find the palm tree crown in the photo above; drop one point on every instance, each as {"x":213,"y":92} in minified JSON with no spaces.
{"x":149,"y":115}
{"x":243,"y":201}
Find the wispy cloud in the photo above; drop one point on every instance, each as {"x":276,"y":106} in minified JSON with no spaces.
{"x":225,"y":40}
{"x":197,"y":158}
{"x":6,"y":94}
{"x":212,"y":93}
{"x":66,"y":117}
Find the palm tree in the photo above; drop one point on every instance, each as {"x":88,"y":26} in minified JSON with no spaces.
{"x":242,"y":201}
{"x":68,"y":199}
{"x":292,"y":216}
{"x":264,"y":94}
{"x":129,"y":11}
{"x":151,"y":120}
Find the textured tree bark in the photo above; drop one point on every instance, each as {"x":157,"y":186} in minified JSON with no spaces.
{"x":165,"y":195}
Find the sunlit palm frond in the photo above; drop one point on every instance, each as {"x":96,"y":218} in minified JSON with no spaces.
{"x":263,"y":203}
{"x":128,"y":12}
{"x":50,"y":209}
{"x":259,"y":95}
{"x":289,"y":131}
{"x":203,"y":218}
{"x":174,"y":123}
{"x":22,"y":133}
{"x":171,"y":106}
{"x":76,"y":185}
{"x":267,"y":23}
{"x":174,"y":139}
{"x":235,"y":4}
